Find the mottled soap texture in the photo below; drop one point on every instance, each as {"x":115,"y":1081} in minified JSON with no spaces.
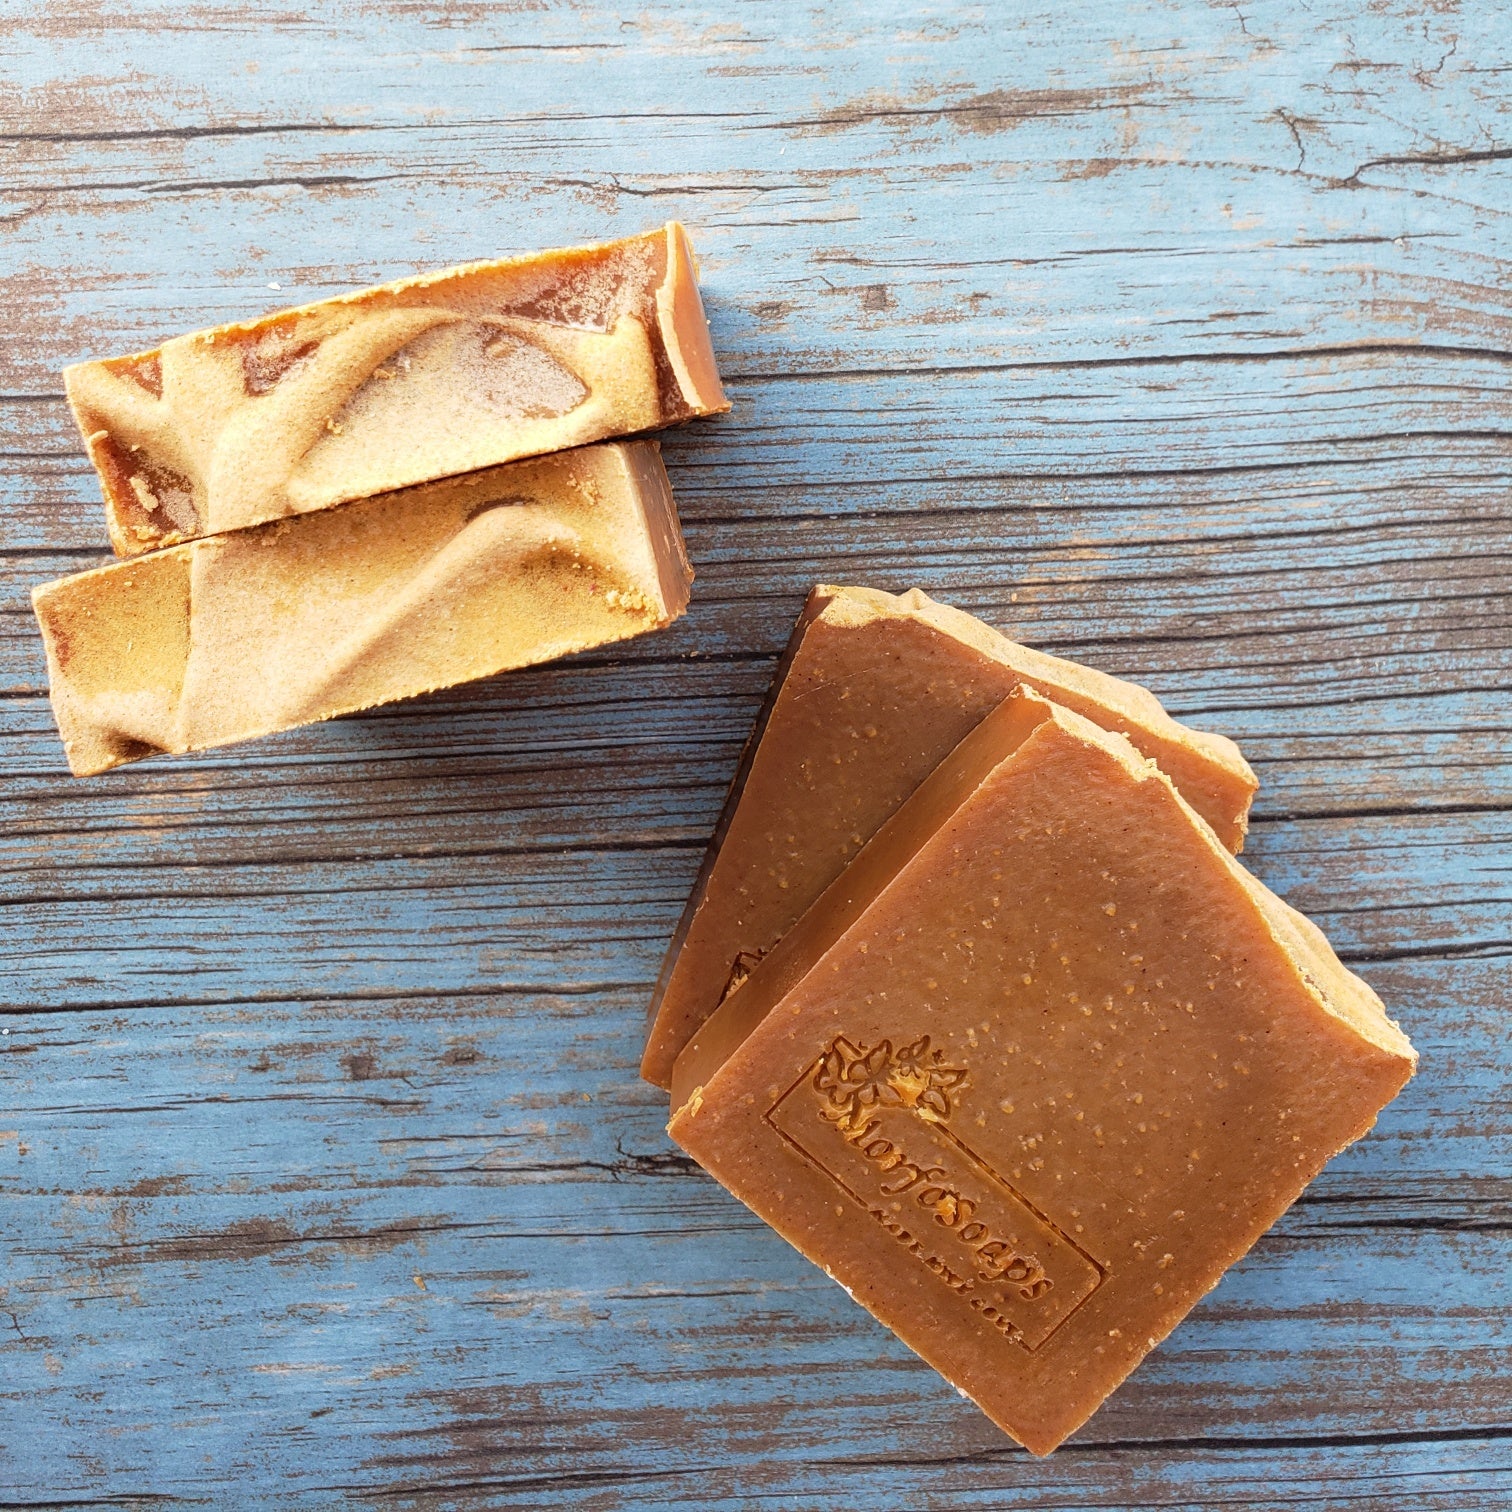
{"x":416,"y":380}
{"x":284,"y":624}
{"x":1163,"y":337}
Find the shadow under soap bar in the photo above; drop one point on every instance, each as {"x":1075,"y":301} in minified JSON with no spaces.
{"x":873,"y":691}
{"x":409,"y":382}
{"x":299,"y":620}
{"x":1037,"y":1068}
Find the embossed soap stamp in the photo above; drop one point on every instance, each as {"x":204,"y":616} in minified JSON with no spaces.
{"x":876,"y":1120}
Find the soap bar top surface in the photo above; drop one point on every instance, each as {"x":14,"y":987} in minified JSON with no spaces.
{"x":298,"y":620}
{"x":421,"y":379}
{"x":873,"y":690}
{"x":1037,"y":1069}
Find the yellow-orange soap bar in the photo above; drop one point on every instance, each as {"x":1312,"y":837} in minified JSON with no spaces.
{"x":296,"y":621}
{"x":1037,"y":1068}
{"x":391,"y":386}
{"x":873,"y":690}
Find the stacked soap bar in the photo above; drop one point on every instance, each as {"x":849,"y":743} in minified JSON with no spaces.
{"x":872,"y":693}
{"x":283,"y":624}
{"x":400,"y":384}
{"x":1041,"y":1060}
{"x":259,"y":604}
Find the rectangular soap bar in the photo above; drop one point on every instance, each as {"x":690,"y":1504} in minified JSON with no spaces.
{"x":408,"y":382}
{"x":1037,"y":1068}
{"x":873,"y":690}
{"x":303,"y":619}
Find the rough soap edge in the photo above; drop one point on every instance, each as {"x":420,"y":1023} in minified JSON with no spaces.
{"x":685,"y":328}
{"x":855,"y":606}
{"x":373,"y":292}
{"x":652,"y":1068}
{"x":651,"y":489}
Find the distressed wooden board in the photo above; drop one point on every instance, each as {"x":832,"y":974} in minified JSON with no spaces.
{"x":1174,"y":337}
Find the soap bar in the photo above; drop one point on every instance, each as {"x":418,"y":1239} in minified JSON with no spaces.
{"x":302,"y":619}
{"x":1037,"y":1068}
{"x":873,"y":691}
{"x":409,"y":382}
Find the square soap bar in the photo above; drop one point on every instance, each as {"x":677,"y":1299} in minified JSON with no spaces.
{"x":873,"y":691}
{"x":1037,"y":1068}
{"x":303,"y":619}
{"x":405,"y":383}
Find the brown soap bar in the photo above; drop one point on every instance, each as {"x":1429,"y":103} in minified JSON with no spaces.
{"x":1038,"y":1067}
{"x":302,"y":619}
{"x":873,"y":691}
{"x":412,"y":381}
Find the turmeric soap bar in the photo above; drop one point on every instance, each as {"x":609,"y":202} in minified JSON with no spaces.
{"x":1037,"y":1068}
{"x":401,"y":384}
{"x":302,"y":619}
{"x":873,"y":691}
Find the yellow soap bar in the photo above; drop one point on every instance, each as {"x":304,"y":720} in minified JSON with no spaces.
{"x":391,"y":386}
{"x":295,"y":621}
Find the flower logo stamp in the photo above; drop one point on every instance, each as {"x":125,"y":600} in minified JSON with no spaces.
{"x":856,"y":1079}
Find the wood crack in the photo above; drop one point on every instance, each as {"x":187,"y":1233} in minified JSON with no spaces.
{"x":481,"y":990}
{"x":1142,"y":360}
{"x":1447,"y":159}
{"x":1221,"y":1444}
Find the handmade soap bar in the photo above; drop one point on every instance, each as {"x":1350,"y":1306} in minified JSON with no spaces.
{"x":396,"y":385}
{"x":872,"y":692}
{"x":302,"y":619}
{"x":1037,"y":1068}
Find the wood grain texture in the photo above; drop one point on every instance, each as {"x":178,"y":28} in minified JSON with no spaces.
{"x":1176,"y":338}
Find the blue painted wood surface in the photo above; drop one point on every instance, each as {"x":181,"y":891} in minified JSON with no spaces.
{"x":1173,"y":336}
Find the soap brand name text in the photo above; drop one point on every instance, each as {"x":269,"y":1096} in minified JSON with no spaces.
{"x":993,"y":1258}
{"x":875,"y":1120}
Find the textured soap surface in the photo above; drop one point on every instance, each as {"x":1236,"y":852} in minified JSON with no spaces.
{"x":298,"y":620}
{"x":404,"y":383}
{"x":873,"y":691}
{"x":1037,"y":1068}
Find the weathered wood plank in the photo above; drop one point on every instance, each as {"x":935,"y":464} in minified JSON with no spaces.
{"x":526,"y":918}
{"x":1021,"y":439}
{"x":422,"y":783}
{"x":1390,"y":123}
{"x":487,"y":1145}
